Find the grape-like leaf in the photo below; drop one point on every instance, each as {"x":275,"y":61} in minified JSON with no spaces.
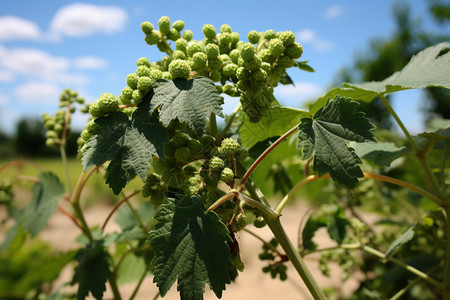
{"x":325,"y":137}
{"x":308,"y":232}
{"x":337,"y":223}
{"x":190,"y":101}
{"x":129,"y":145}
{"x":191,"y":246}
{"x":92,"y":270}
{"x":380,"y":153}
{"x":429,"y":68}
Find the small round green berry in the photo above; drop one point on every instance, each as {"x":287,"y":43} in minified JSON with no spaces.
{"x":225,"y":58}
{"x":259,"y":222}
{"x":92,"y":126}
{"x":287,"y":37}
{"x":229,"y":69}
{"x":180,"y":139}
{"x":215,"y":64}
{"x":241,"y":154}
{"x":216,"y":163}
{"x":225,"y":38}
{"x":152,"y":38}
{"x":253,"y":37}
{"x":194,"y":146}
{"x":276,"y":47}
{"x":51,"y":134}
{"x":164,"y":25}
{"x":208,"y":142}
{"x":266,"y":56}
{"x":229,"y":146}
{"x":127,"y":92}
{"x":80,"y":100}
{"x":194,"y":47}
{"x":125,"y":100}
{"x":235,"y":38}
{"x":179,"y":69}
{"x":248,"y":52}
{"x":285,"y":62}
{"x":144,"y":83}
{"x":50,"y":142}
{"x":226,"y":175}
{"x":86,"y":135}
{"x":294,"y":51}
{"x":142,"y":71}
{"x":58,"y":128}
{"x":258,"y":75}
{"x":155,"y":74}
{"x":80,"y":141}
{"x":199,"y":61}
{"x":225,"y":28}
{"x":209,"y":31}
{"x":178,"y":54}
{"x":132,"y":80}
{"x":173,"y":34}
{"x":229,"y":89}
{"x":143,"y":61}
{"x":270,"y":34}
{"x":234,"y":55}
{"x":147,"y":27}
{"x":215,"y":76}
{"x":178,"y":25}
{"x":242,"y":74}
{"x":181,"y":44}
{"x":212,"y":51}
{"x":182,"y":154}
{"x":241,"y":222}
{"x":138,"y":96}
{"x":188,"y":35}
{"x":166,"y":75}
{"x":106,"y":104}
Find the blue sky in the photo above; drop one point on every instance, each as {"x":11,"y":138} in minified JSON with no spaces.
{"x":91,"y":46}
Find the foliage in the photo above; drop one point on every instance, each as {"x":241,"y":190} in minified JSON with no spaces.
{"x":201,"y":185}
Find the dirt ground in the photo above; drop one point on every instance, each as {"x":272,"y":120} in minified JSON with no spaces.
{"x":250,"y":284}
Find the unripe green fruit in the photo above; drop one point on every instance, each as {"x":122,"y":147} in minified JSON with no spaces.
{"x":294,"y":51}
{"x":155,"y":74}
{"x":225,"y":38}
{"x":187,"y":35}
{"x":106,"y":104}
{"x":212,"y":51}
{"x":132,"y":80}
{"x":229,"y":146}
{"x":199,"y":61}
{"x":194,"y":47}
{"x":164,"y":25}
{"x":173,"y":34}
{"x":72,"y":110}
{"x":50,"y":142}
{"x":229,"y":89}
{"x":142,"y":71}
{"x":178,"y":25}
{"x":169,"y":150}
{"x":234,"y":55}
{"x":208,"y":142}
{"x":128,"y":111}
{"x":225,"y":58}
{"x":147,"y":27}
{"x":253,"y":37}
{"x":138,"y":96}
{"x":178,"y":54}
{"x":235,"y":38}
{"x":241,"y":222}
{"x":209,"y":31}
{"x":241,"y":154}
{"x":144,"y":83}
{"x":166,"y":75}
{"x":242,"y":74}
{"x":80,"y":100}
{"x":92,"y":126}
{"x":189,"y":170}
{"x":276,"y":47}
{"x":287,"y":37}
{"x":216,"y":163}
{"x":226,"y":175}
{"x":259,"y":222}
{"x":165,"y":61}
{"x":181,"y":139}
{"x":58,"y":128}
{"x":181,"y":44}
{"x":215,"y":76}
{"x":265,"y":66}
{"x":225,"y":28}
{"x":51,"y":134}
{"x":248,"y":52}
{"x":285,"y":62}
{"x":253,"y":64}
{"x":194,"y":145}
{"x":86,"y":135}
{"x":270,"y":34}
{"x":179,"y":69}
{"x":80,"y":141}
{"x":143,"y":61}
{"x":258,"y":75}
{"x":229,"y":69}
{"x":182,"y":154}
{"x":152,"y":38}
{"x":215,"y":64}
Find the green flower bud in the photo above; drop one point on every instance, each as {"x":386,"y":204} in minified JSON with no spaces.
{"x":181,"y":44}
{"x":86,"y":135}
{"x":182,"y":154}
{"x":229,"y":69}
{"x":207,"y":41}
{"x":58,"y":128}
{"x":199,"y":61}
{"x":178,"y":54}
{"x":132,"y":80}
{"x":147,"y":27}
{"x":144,"y":83}
{"x":92,"y":126}
{"x":178,"y":25}
{"x":212,"y":50}
{"x":235,"y":38}
{"x":248,"y":52}
{"x":166,"y":75}
{"x":229,"y":89}
{"x":294,"y":51}
{"x":215,"y":76}
{"x":165,"y":61}
{"x":241,"y":154}
{"x":234,"y":55}
{"x":225,"y":38}
{"x":180,"y":139}
{"x":127,"y":93}
{"x":152,"y":38}
{"x":179,"y":69}
{"x":80,"y":141}
{"x":215,"y":64}
{"x":142,"y":71}
{"x":276,"y":47}
{"x":266,"y":56}
{"x":253,"y":64}
{"x":155,"y":74}
{"x":50,"y":142}
{"x":225,"y":58}
{"x":208,"y":142}
{"x":125,"y":100}
{"x":241,"y":222}
{"x":287,"y":37}
{"x":216,"y":163}
{"x":265,"y":66}
{"x":226,"y":175}
{"x":194,"y":47}
{"x":190,"y":170}
{"x":80,"y":100}
{"x":143,"y":61}
{"x":253,"y":37}
{"x":259,"y":222}
{"x":225,"y":28}
{"x":188,"y":35}
{"x":106,"y":103}
{"x":164,"y":25}
{"x":270,"y":34}
{"x":138,"y":96}
{"x":285,"y":62}
{"x":209,"y":31}
{"x":173,"y":34}
{"x":229,"y":146}
{"x":51,"y":134}
{"x":258,"y":75}
{"x":242,"y":74}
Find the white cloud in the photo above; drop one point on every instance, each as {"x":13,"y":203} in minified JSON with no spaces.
{"x":308,"y":36}
{"x":90,"y":63}
{"x":6,"y":76}
{"x":83,"y":19}
{"x":14,"y":28}
{"x":44,"y":92}
{"x":4,"y":100}
{"x":333,"y":12}
{"x":301,"y":89}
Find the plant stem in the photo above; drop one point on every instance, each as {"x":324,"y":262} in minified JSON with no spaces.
{"x":138,"y":286}
{"x":62,"y":149}
{"x":264,"y":154}
{"x":114,"y":288}
{"x":268,"y":245}
{"x":213,"y":125}
{"x":224,"y":198}
{"x":230,"y":120}
{"x":405,"y":289}
{"x":116,"y":207}
{"x":447,"y":261}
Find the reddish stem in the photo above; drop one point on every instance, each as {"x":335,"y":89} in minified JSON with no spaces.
{"x":70,"y":216}
{"x":116,"y":207}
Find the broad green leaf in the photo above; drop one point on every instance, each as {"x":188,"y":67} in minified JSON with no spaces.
{"x":92,"y":271}
{"x":308,"y":232}
{"x":191,"y":246}
{"x":337,"y":223}
{"x":122,"y":142}
{"x":399,"y":242}
{"x":438,"y":134}
{"x":126,"y":219}
{"x":428,"y":68}
{"x":190,"y":101}
{"x":325,"y":137}
{"x":303,"y":65}
{"x":257,"y":149}
{"x":380,"y":153}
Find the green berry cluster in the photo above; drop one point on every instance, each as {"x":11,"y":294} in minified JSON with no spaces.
{"x":182,"y":149}
{"x":58,"y":125}
{"x":155,"y":188}
{"x":275,"y":268}
{"x":6,"y":192}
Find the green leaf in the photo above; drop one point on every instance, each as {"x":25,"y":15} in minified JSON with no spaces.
{"x":326,"y":135}
{"x":190,"y":101}
{"x":337,"y":223}
{"x":191,"y":246}
{"x":257,"y":149}
{"x":92,"y":270}
{"x":380,"y":153}
{"x":399,"y":242}
{"x":123,"y":143}
{"x":303,"y":65}
{"x":308,"y":232}
{"x":429,"y":68}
